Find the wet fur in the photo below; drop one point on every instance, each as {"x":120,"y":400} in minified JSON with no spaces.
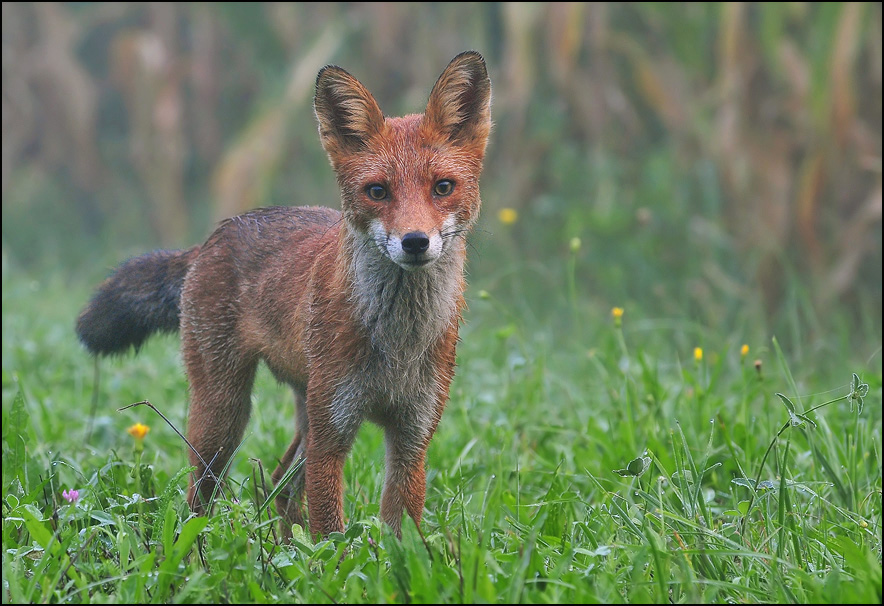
{"x":328,"y":300}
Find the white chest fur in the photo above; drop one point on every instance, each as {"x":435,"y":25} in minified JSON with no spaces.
{"x":404,"y":315}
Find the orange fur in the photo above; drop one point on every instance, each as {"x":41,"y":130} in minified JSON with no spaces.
{"x":357,"y":311}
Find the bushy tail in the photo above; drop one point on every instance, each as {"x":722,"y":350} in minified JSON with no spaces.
{"x":140,"y":298}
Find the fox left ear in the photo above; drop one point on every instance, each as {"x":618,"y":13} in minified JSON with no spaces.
{"x":460,"y":104}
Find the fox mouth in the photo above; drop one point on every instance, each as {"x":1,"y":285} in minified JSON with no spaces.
{"x":412,"y":264}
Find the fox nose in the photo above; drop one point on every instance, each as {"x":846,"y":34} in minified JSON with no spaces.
{"x":415,"y":242}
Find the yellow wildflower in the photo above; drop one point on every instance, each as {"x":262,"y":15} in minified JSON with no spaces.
{"x":508,"y":216}
{"x":617,"y":313}
{"x":698,"y":354}
{"x":744,"y":351}
{"x":138,"y":431}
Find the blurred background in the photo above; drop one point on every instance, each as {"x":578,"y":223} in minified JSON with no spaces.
{"x":718,"y":162}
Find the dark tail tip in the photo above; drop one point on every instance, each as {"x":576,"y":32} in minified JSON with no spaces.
{"x":137,"y":300}
{"x":106,"y":329}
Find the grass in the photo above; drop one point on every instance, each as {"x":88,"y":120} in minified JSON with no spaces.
{"x":581,"y":458}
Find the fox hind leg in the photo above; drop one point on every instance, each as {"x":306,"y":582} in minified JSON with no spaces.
{"x":290,"y":502}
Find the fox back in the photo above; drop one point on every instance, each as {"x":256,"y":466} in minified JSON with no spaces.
{"x":357,"y":311}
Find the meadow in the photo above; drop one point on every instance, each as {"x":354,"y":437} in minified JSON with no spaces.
{"x":669,"y":381}
{"x":587,"y":454}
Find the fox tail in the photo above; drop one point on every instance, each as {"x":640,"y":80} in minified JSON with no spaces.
{"x":139,"y":298}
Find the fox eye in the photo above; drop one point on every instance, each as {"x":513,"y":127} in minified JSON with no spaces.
{"x":444,"y":187}
{"x":376,"y":192}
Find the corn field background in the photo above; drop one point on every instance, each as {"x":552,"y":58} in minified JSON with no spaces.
{"x":702,"y":151}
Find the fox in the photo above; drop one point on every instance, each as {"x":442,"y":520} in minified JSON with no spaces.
{"x":356,"y":310}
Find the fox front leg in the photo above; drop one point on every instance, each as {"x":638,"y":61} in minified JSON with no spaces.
{"x":333,"y":424}
{"x":404,"y":481}
{"x":407,"y":438}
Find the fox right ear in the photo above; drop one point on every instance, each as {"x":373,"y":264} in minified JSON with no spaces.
{"x":348,"y":115}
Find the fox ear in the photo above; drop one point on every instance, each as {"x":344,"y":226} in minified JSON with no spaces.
{"x":460,"y":104}
{"x":348,"y":115}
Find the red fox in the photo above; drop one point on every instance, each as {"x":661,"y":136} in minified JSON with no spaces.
{"x":357,"y":311}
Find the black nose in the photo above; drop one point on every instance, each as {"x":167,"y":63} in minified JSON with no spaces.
{"x":415,"y":242}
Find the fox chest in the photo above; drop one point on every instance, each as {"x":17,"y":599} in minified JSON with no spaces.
{"x":391,"y":393}
{"x":396,"y":337}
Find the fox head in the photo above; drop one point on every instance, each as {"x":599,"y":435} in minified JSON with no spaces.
{"x":409,"y":185}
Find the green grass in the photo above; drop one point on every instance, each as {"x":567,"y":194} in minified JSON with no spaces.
{"x":577,"y":461}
